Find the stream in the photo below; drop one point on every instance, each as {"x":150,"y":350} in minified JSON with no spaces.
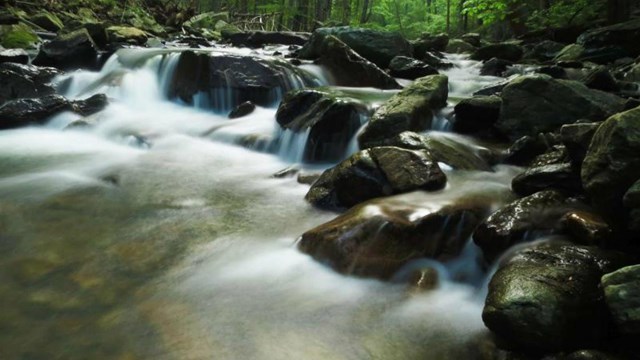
{"x":153,"y":234}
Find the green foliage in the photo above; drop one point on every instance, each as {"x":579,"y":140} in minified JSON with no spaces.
{"x":566,"y":12}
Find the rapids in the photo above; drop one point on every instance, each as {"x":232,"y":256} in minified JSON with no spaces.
{"x":155,"y":234}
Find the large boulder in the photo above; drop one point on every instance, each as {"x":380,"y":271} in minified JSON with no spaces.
{"x":69,"y":51}
{"x":547,"y":297}
{"x":330,"y":118}
{"x":257,"y":39}
{"x":572,"y":52}
{"x":48,"y":21}
{"x":476,"y":114}
{"x":623,"y":36}
{"x":539,"y":103}
{"x":412,"y":109}
{"x":430,"y":42}
{"x":622,"y":294}
{"x":379,"y":47}
{"x":504,"y":51}
{"x":226,"y":81}
{"x":350,"y":69}
{"x":524,"y":219}
{"x":612,"y":165}
{"x":458,"y":46}
{"x":495,"y":67}
{"x":380,"y":236}
{"x":562,"y":177}
{"x":376,"y":172}
{"x":25,"y":81}
{"x":410,"y":68}
{"x":577,"y":138}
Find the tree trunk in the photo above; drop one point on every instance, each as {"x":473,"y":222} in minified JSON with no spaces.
{"x":365,"y":12}
{"x":346,"y":12}
{"x":448,"y":15}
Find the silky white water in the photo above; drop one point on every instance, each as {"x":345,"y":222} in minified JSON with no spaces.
{"x":153,"y":234}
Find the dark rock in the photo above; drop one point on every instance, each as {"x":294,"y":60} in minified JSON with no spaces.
{"x":524,"y":219}
{"x":547,"y":297}
{"x":622,"y":295}
{"x":25,"y":81}
{"x":611,"y":165}
{"x":410,"y":68}
{"x":246,"y":78}
{"x":350,"y":69}
{"x":528,"y":148}
{"x":570,"y":64}
{"x":379,"y":47}
{"x":571,"y":53}
{"x":504,"y":51}
{"x":534,"y":104}
{"x":491,"y":90}
{"x":555,"y":72}
{"x":458,"y":46}
{"x":577,"y":137}
{"x":21,"y":112}
{"x":476,"y":114}
{"x":631,"y":202}
{"x":375,"y":172}
{"x":562,"y":177}
{"x":14,"y":55}
{"x":622,"y":35}
{"x":258,"y":39}
{"x":90,"y":106}
{"x":409,"y":110}
{"x":378,"y":237}
{"x":287,"y":172}
{"x":603,"y":55}
{"x":495,"y":67}
{"x":69,"y":51}
{"x":242,"y":110}
{"x":331,"y":119}
{"x":435,"y":61}
{"x":472,"y":38}
{"x":601,"y":79}
{"x":556,"y":155}
{"x":47,"y":21}
{"x":98,"y":32}
{"x":544,"y":50}
{"x":429,"y":42}
{"x":586,"y":228}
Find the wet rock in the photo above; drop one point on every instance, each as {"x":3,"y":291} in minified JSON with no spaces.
{"x":611,"y":165}
{"x":48,"y":21}
{"x":91,"y":105}
{"x":18,"y":36}
{"x":409,"y":110}
{"x":410,"y":68}
{"x":476,"y":114}
{"x":257,"y":39}
{"x":576,"y":138}
{"x":21,"y":112}
{"x":331,"y":119}
{"x":547,"y":297}
{"x":375,"y":172}
{"x":622,"y":35}
{"x":14,"y":55}
{"x":544,"y":51}
{"x":350,"y":69}
{"x":241,"y":78}
{"x":556,"y":72}
{"x":526,"y":149}
{"x":534,"y":104}
{"x":601,"y":79}
{"x":378,"y":47}
{"x":471,"y":38}
{"x":127,"y":35}
{"x":586,"y":227}
{"x":69,"y":51}
{"x":436,"y":61}
{"x":429,"y":42}
{"x":287,"y":172}
{"x":591,"y":355}
{"x":631,"y":203}
{"x":556,"y":155}
{"x":377,"y":238}
{"x":622,"y":295}
{"x":504,"y":51}
{"x":562,"y":177}
{"x":495,"y":67}
{"x":570,"y":53}
{"x":457,"y":153}
{"x":524,"y":219}
{"x":308,"y":178}
{"x":25,"y":81}
{"x":242,"y":110}
{"x":458,"y":46}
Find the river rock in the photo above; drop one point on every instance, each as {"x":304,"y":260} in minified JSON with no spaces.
{"x":435,"y":60}
{"x":239,"y":78}
{"x":411,"y":109}
{"x":458,"y":46}
{"x":378,"y":237}
{"x":376,"y":172}
{"x":242,"y":110}
{"x":526,"y":149}
{"x":476,"y":114}
{"x":472,"y":38}
{"x":524,"y":219}
{"x":91,"y":105}
{"x":631,"y":202}
{"x":544,"y":51}
{"x":622,"y":294}
{"x":127,"y":34}
{"x":547,"y":297}
{"x":504,"y":51}
{"x":18,"y":36}
{"x":611,"y":165}
{"x":257,"y":39}
{"x":622,"y":35}
{"x":21,"y":112}
{"x":570,"y":53}
{"x":379,"y":47}
{"x":562,"y":177}
{"x":600,"y":78}
{"x":331,"y":119}
{"x":586,"y":228}
{"x":69,"y":51}
{"x":538,"y":103}
{"x":25,"y":81}
{"x":430,"y":42}
{"x":495,"y":67}
{"x":576,"y":138}
{"x":350,"y":69}
{"x":14,"y":55}
{"x":48,"y":21}
{"x":410,"y":68}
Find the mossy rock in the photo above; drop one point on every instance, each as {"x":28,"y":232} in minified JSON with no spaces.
{"x":127,"y":34}
{"x":47,"y":21}
{"x":17,"y":36}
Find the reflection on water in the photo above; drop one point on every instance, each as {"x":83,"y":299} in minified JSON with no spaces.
{"x":151,"y":235}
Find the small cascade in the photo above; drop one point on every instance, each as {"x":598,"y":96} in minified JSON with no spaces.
{"x":465,"y":78}
{"x":291,"y":145}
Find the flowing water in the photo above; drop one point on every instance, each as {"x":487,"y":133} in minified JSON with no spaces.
{"x":154,"y":234}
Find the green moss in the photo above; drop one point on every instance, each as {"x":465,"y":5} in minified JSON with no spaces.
{"x":17,"y":36}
